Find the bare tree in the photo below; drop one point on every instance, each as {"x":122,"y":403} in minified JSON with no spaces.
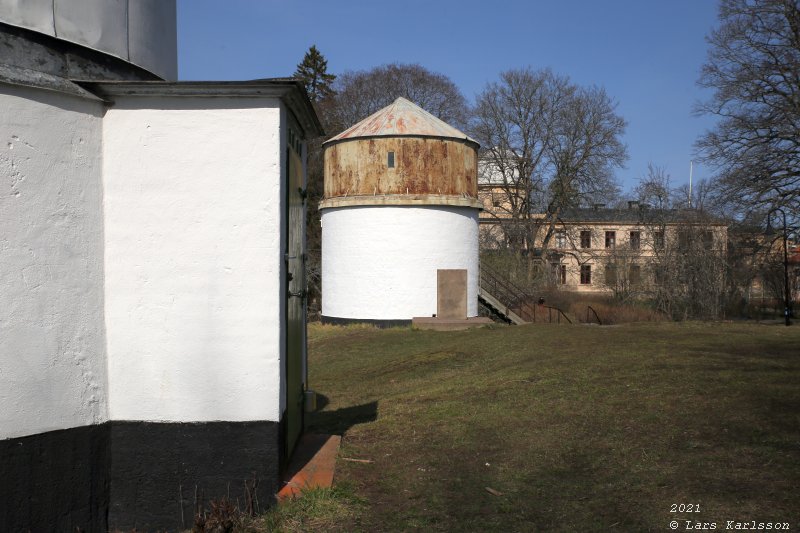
{"x":686,"y":263}
{"x":654,"y":188}
{"x":622,"y":273}
{"x":548,"y":144}
{"x":754,"y":68}
{"x":363,"y":92}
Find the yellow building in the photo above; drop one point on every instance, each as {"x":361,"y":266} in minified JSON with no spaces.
{"x":609,"y":250}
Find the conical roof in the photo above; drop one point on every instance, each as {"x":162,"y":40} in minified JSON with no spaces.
{"x":401,"y":117}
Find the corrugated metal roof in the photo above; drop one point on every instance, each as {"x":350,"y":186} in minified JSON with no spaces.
{"x":401,"y":117}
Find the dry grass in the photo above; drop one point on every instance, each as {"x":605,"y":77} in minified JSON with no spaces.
{"x":573,"y":428}
{"x":614,"y":313}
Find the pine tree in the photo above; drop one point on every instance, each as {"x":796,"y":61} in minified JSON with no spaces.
{"x":313,"y":71}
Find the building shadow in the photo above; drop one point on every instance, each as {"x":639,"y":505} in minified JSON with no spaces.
{"x":338,"y":421}
{"x":321,"y":427}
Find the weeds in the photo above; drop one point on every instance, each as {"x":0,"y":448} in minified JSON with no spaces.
{"x":315,"y":509}
{"x":222,"y":516}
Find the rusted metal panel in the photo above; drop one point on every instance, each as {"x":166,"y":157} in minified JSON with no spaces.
{"x":402,"y":117}
{"x":401,"y":199}
{"x":422,"y":166}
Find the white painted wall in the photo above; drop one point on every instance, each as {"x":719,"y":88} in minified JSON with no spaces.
{"x":193,"y":260}
{"x":52,"y":340}
{"x":381,"y":262}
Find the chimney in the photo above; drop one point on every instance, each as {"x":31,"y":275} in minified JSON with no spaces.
{"x":597,"y":207}
{"x":633,"y":204}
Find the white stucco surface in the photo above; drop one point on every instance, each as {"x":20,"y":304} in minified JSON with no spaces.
{"x":380,"y":262}
{"x":52,"y":343}
{"x":193,"y":260}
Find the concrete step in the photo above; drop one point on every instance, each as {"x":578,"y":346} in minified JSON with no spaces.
{"x":449,"y":324}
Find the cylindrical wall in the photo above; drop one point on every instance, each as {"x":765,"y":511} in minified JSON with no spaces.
{"x":53,"y":381}
{"x":380,"y":262}
{"x":422,"y":165}
{"x":52,"y":339}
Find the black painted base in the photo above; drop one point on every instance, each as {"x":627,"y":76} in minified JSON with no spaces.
{"x":55,"y":481}
{"x":336,"y":321}
{"x":162,"y":473}
{"x":139,"y":475}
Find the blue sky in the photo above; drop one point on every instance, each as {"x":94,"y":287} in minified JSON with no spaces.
{"x":646,"y":53}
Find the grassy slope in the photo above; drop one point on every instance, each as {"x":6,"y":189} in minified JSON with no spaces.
{"x":580,"y":428}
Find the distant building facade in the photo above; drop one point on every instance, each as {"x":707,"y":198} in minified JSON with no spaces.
{"x":627,"y":251}
{"x":596,"y":249}
{"x":757,"y":259}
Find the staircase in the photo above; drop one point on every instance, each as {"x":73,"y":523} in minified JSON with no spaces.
{"x":512,"y":303}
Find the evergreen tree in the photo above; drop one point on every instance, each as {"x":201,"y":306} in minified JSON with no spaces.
{"x":313,"y":71}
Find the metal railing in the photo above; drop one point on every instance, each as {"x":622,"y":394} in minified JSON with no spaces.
{"x":518,"y":299}
{"x":514,"y":297}
{"x":596,"y":316}
{"x":551,"y":311}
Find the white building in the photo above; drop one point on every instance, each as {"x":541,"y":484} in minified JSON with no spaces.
{"x":152,"y":337}
{"x":400,"y":204}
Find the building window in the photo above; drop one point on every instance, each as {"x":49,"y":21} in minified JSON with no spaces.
{"x":658,"y":240}
{"x":586,"y":274}
{"x":561,"y":239}
{"x":708,"y":240}
{"x":611,"y":274}
{"x":660,"y":275}
{"x":611,"y":239}
{"x":560,"y":273}
{"x":684,"y":239}
{"x":390,"y":160}
{"x":636,"y":240}
{"x":586,"y":238}
{"x":635,"y":274}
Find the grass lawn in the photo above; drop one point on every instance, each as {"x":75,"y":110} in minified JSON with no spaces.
{"x":566,"y":428}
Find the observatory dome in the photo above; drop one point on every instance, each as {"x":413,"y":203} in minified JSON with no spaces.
{"x":89,"y":39}
{"x":400,"y":204}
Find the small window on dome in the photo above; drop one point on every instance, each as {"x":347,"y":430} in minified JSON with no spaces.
{"x":390,"y":160}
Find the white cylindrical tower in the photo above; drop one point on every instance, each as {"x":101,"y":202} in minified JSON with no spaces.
{"x":400,"y":204}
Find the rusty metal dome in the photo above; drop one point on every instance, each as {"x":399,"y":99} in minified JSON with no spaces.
{"x":401,"y":117}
